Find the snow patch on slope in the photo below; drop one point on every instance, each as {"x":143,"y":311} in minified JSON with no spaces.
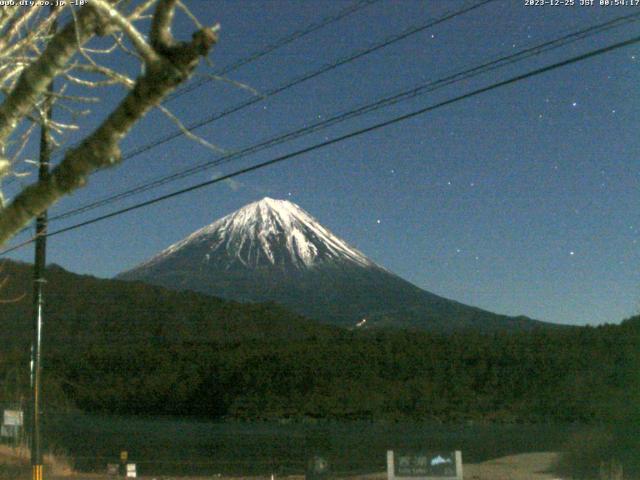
{"x":264,"y":231}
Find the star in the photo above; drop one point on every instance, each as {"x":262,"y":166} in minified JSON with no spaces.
{"x":574,"y":104}
{"x":572,"y":253}
{"x":378,"y":221}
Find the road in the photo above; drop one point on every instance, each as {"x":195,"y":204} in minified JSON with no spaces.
{"x":526,"y":466}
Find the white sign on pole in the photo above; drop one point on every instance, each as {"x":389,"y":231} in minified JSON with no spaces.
{"x":12,"y":418}
{"x":131,"y":470}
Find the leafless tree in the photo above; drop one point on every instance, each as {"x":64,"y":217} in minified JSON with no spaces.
{"x":77,"y":54}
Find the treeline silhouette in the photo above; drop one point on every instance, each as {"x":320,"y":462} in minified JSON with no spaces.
{"x":130,"y":348}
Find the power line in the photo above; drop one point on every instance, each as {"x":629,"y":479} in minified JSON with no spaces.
{"x":298,"y":80}
{"x":389,"y":41}
{"x":270,"y":48}
{"x":338,"y":118}
{"x":341,"y":138}
{"x":307,"y":76}
{"x":290,"y":84}
{"x":274,"y":46}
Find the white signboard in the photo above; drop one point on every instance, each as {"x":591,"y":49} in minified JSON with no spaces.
{"x":131,"y":470}
{"x":424,"y":465}
{"x":12,"y":418}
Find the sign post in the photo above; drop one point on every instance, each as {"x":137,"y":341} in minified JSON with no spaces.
{"x":124,"y":456}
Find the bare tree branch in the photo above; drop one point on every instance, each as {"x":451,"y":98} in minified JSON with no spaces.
{"x":141,"y":10}
{"x":177,"y":60}
{"x":18,"y":22}
{"x":34,"y":79}
{"x":161,"y":36}
{"x":144,"y":49}
{"x":188,"y":133}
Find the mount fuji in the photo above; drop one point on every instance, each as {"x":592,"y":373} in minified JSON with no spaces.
{"x":274,"y":251}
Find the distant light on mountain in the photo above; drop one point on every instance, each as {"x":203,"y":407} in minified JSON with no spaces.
{"x":273,"y":250}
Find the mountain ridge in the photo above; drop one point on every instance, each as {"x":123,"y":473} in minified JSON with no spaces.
{"x":273,"y":218}
{"x":273,"y":250}
{"x":83,"y":308}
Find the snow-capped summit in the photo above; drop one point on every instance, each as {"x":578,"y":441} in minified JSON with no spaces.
{"x":265,"y":233}
{"x":273,"y":250}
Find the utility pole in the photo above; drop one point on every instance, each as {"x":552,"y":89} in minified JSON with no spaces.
{"x":38,"y":303}
{"x":38,"y":287}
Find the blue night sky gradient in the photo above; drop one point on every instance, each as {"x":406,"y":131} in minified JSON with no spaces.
{"x":523,"y":200}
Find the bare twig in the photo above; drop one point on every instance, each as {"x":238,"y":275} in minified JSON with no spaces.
{"x":191,"y":16}
{"x":111,"y":74}
{"x":141,"y":10}
{"x":36,"y":77}
{"x":235,"y":83}
{"x":142,"y":47}
{"x":188,"y":133}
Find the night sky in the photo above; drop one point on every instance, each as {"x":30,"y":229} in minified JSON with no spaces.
{"x":522,"y":200}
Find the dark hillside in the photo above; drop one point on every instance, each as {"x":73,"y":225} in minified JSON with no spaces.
{"x":127,"y":347}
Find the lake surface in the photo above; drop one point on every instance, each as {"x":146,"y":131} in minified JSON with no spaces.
{"x":187,"y":446}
